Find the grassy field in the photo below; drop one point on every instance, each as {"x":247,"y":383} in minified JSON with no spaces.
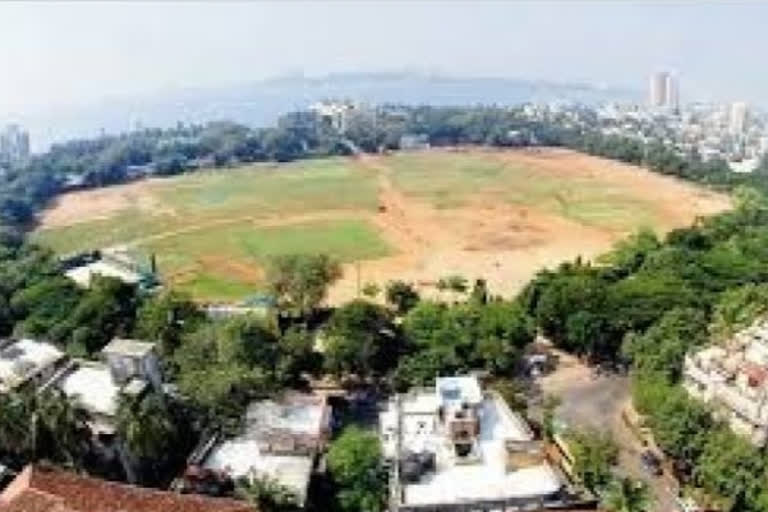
{"x":257,"y":192}
{"x":225,"y":264}
{"x":450,"y":180}
{"x":500,"y":215}
{"x":207,"y":228}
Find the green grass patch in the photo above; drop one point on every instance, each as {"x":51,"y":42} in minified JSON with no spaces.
{"x":449,"y":180}
{"x":223,"y":263}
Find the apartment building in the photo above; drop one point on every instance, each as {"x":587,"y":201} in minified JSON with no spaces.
{"x":733,"y":378}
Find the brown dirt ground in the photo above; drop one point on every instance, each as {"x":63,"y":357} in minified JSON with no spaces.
{"x":502,"y":243}
{"x":101,"y":203}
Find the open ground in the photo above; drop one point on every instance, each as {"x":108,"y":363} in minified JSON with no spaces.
{"x":499,"y":215}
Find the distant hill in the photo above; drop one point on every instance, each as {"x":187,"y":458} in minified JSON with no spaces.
{"x":260,"y":103}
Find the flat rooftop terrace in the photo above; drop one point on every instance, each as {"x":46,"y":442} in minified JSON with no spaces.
{"x":487,"y":478}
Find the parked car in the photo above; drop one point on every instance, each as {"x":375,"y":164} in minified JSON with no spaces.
{"x":651,"y":463}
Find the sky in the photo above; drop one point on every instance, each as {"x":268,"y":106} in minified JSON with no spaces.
{"x":63,"y":54}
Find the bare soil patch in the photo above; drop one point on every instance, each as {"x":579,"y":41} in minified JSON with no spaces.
{"x":506,"y":244}
{"x":101,"y":203}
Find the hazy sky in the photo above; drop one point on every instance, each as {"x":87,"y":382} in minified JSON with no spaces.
{"x":61,"y":53}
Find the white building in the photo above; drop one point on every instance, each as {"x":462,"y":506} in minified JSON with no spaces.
{"x":673,"y":91}
{"x":738,"y":118}
{"x":658,"y":89}
{"x":335,"y":114}
{"x":458,"y":446}
{"x":279,"y":441}
{"x":733,"y":378}
{"x":130,"y":368}
{"x":27,"y":361}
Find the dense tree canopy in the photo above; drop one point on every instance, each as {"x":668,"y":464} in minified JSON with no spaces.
{"x":355,"y":464}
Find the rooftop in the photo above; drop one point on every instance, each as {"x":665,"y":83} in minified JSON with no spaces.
{"x":91,"y":385}
{"x":82,"y":275}
{"x":39,"y":489}
{"x":125,"y":347}
{"x":21,"y":359}
{"x":279,"y":440}
{"x":94,"y":389}
{"x":504,"y":462}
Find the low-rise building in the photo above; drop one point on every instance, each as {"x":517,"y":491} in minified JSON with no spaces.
{"x":27,"y":362}
{"x":130,"y":367}
{"x":457,"y":447}
{"x":733,"y":378}
{"x":279,"y":441}
{"x":115,"y":262}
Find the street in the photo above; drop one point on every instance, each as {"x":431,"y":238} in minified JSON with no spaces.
{"x":597,"y":401}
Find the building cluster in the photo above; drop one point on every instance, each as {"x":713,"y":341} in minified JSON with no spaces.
{"x":127,"y":367}
{"x":733,"y":132}
{"x":452,"y":447}
{"x":732,"y":378}
{"x":14,"y":144}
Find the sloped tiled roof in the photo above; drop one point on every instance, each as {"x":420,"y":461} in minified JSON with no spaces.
{"x":50,"y":490}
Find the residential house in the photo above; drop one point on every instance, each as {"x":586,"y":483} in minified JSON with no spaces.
{"x":279,"y":441}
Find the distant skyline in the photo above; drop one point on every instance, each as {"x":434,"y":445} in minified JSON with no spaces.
{"x":62,"y":54}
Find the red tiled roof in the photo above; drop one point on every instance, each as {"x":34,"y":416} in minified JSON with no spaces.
{"x":51,"y":490}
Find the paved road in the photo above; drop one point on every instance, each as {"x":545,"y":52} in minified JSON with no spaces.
{"x":589,"y":400}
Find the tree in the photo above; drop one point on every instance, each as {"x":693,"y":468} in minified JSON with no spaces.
{"x":360,"y":340}
{"x":299,"y":282}
{"x":165,"y":318}
{"x":627,"y":495}
{"x":59,"y":427}
{"x":43,"y":425}
{"x":371,"y":290}
{"x":479,"y":293}
{"x":629,"y":254}
{"x":297,"y":356}
{"x":145,"y":425}
{"x":16,"y":439}
{"x":107,"y":309}
{"x":402,"y":296}
{"x":266,"y":494}
{"x":594,"y":454}
{"x":662,"y":348}
{"x":732,"y":467}
{"x":737,"y":308}
{"x":354,"y":461}
{"x":224,"y":365}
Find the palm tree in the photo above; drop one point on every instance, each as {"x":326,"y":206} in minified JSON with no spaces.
{"x":627,"y":495}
